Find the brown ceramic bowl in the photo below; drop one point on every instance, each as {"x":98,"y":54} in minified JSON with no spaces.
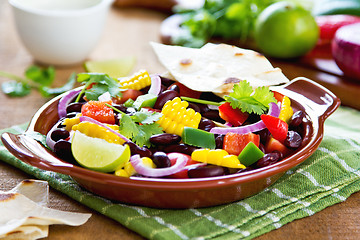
{"x":317,"y":102}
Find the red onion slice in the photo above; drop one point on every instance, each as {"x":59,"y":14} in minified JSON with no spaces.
{"x":89,"y":119}
{"x":64,"y":101}
{"x":49,"y":142}
{"x":274,"y":110}
{"x":140,"y":168}
{"x":104,"y":97}
{"x":155,"y":85}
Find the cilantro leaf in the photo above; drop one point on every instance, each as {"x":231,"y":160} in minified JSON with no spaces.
{"x":140,"y":133}
{"x":146,"y":117}
{"x":244,"y":98}
{"x":48,"y":92}
{"x":101,"y":83}
{"x":43,"y":76}
{"x":145,"y":132}
{"x":15,"y":89}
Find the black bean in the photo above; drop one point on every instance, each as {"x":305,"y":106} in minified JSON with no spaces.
{"x":297,"y":119}
{"x":213,"y":115}
{"x":71,"y":115}
{"x":206,"y":124}
{"x":219,"y":141}
{"x":166,"y":81}
{"x":59,"y":134}
{"x":180,"y":148}
{"x":195,"y":107}
{"x":135,"y":149}
{"x":261,"y":147}
{"x":62,"y":149}
{"x":164,"y":97}
{"x":165,"y":139}
{"x":206,"y":171}
{"x":74,"y":107}
{"x":268,"y":159}
{"x":161,"y":160}
{"x":174,"y":87}
{"x":293,"y":139}
{"x":264,"y":135}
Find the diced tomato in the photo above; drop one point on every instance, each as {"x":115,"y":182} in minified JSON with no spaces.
{"x":277,"y":127}
{"x":128,"y":93}
{"x":329,"y":24}
{"x":184,"y":173}
{"x":272,"y":144}
{"x":234,"y":116}
{"x":234,"y":143}
{"x":98,"y":111}
{"x":187,"y":92}
{"x":278,"y":96}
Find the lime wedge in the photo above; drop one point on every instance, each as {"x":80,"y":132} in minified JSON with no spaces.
{"x":98,"y":154}
{"x":115,"y":68}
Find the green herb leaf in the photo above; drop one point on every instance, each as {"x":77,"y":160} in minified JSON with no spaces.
{"x":15,"y":89}
{"x":49,"y":92}
{"x":44,"y":77}
{"x":140,"y":134}
{"x":244,"y":98}
{"x":102,"y":83}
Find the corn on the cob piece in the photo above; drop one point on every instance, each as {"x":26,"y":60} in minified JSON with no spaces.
{"x":94,"y":130}
{"x":128,"y":170}
{"x":176,"y":115}
{"x":70,"y":122}
{"x":217,"y":157}
{"x":137,"y":81}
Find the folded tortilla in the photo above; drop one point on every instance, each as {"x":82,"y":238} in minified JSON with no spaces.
{"x":24,"y":215}
{"x":217,"y":67}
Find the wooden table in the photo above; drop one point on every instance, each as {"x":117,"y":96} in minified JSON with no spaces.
{"x":128,"y":33}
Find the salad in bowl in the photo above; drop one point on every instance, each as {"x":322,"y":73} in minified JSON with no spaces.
{"x":198,"y":135}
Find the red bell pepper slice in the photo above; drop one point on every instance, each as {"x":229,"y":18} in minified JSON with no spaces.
{"x":277,"y":127}
{"x":234,"y":116}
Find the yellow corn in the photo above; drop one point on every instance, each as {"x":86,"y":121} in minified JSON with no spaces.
{"x":137,"y":81}
{"x":129,"y":170}
{"x":70,"y":122}
{"x":286,"y":111}
{"x":176,"y":115}
{"x":94,"y":130}
{"x":217,"y":157}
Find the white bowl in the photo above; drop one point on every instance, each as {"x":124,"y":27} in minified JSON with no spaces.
{"x":60,"y":32}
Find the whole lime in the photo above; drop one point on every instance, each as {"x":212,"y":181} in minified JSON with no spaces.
{"x":285,"y":30}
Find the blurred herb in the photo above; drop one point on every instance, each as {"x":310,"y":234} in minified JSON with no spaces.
{"x":36,"y":78}
{"x":228,"y":19}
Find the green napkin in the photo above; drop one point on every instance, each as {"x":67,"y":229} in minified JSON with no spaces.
{"x":328,"y":177}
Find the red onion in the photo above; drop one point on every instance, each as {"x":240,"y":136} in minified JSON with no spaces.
{"x":155,"y":85}
{"x":346,"y":50}
{"x":157,"y":172}
{"x":64,"y":101}
{"x":49,"y":142}
{"x":274,"y":110}
{"x":89,"y":119}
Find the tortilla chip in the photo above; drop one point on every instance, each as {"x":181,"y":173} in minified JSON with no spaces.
{"x":217,"y":67}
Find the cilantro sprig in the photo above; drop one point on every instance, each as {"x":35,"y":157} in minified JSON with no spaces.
{"x":101,"y":83}
{"x":248,"y":100}
{"x":140,"y":126}
{"x":36,"y":78}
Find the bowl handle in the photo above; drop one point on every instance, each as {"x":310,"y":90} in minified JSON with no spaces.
{"x":314,"y":97}
{"x":32,"y":152}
